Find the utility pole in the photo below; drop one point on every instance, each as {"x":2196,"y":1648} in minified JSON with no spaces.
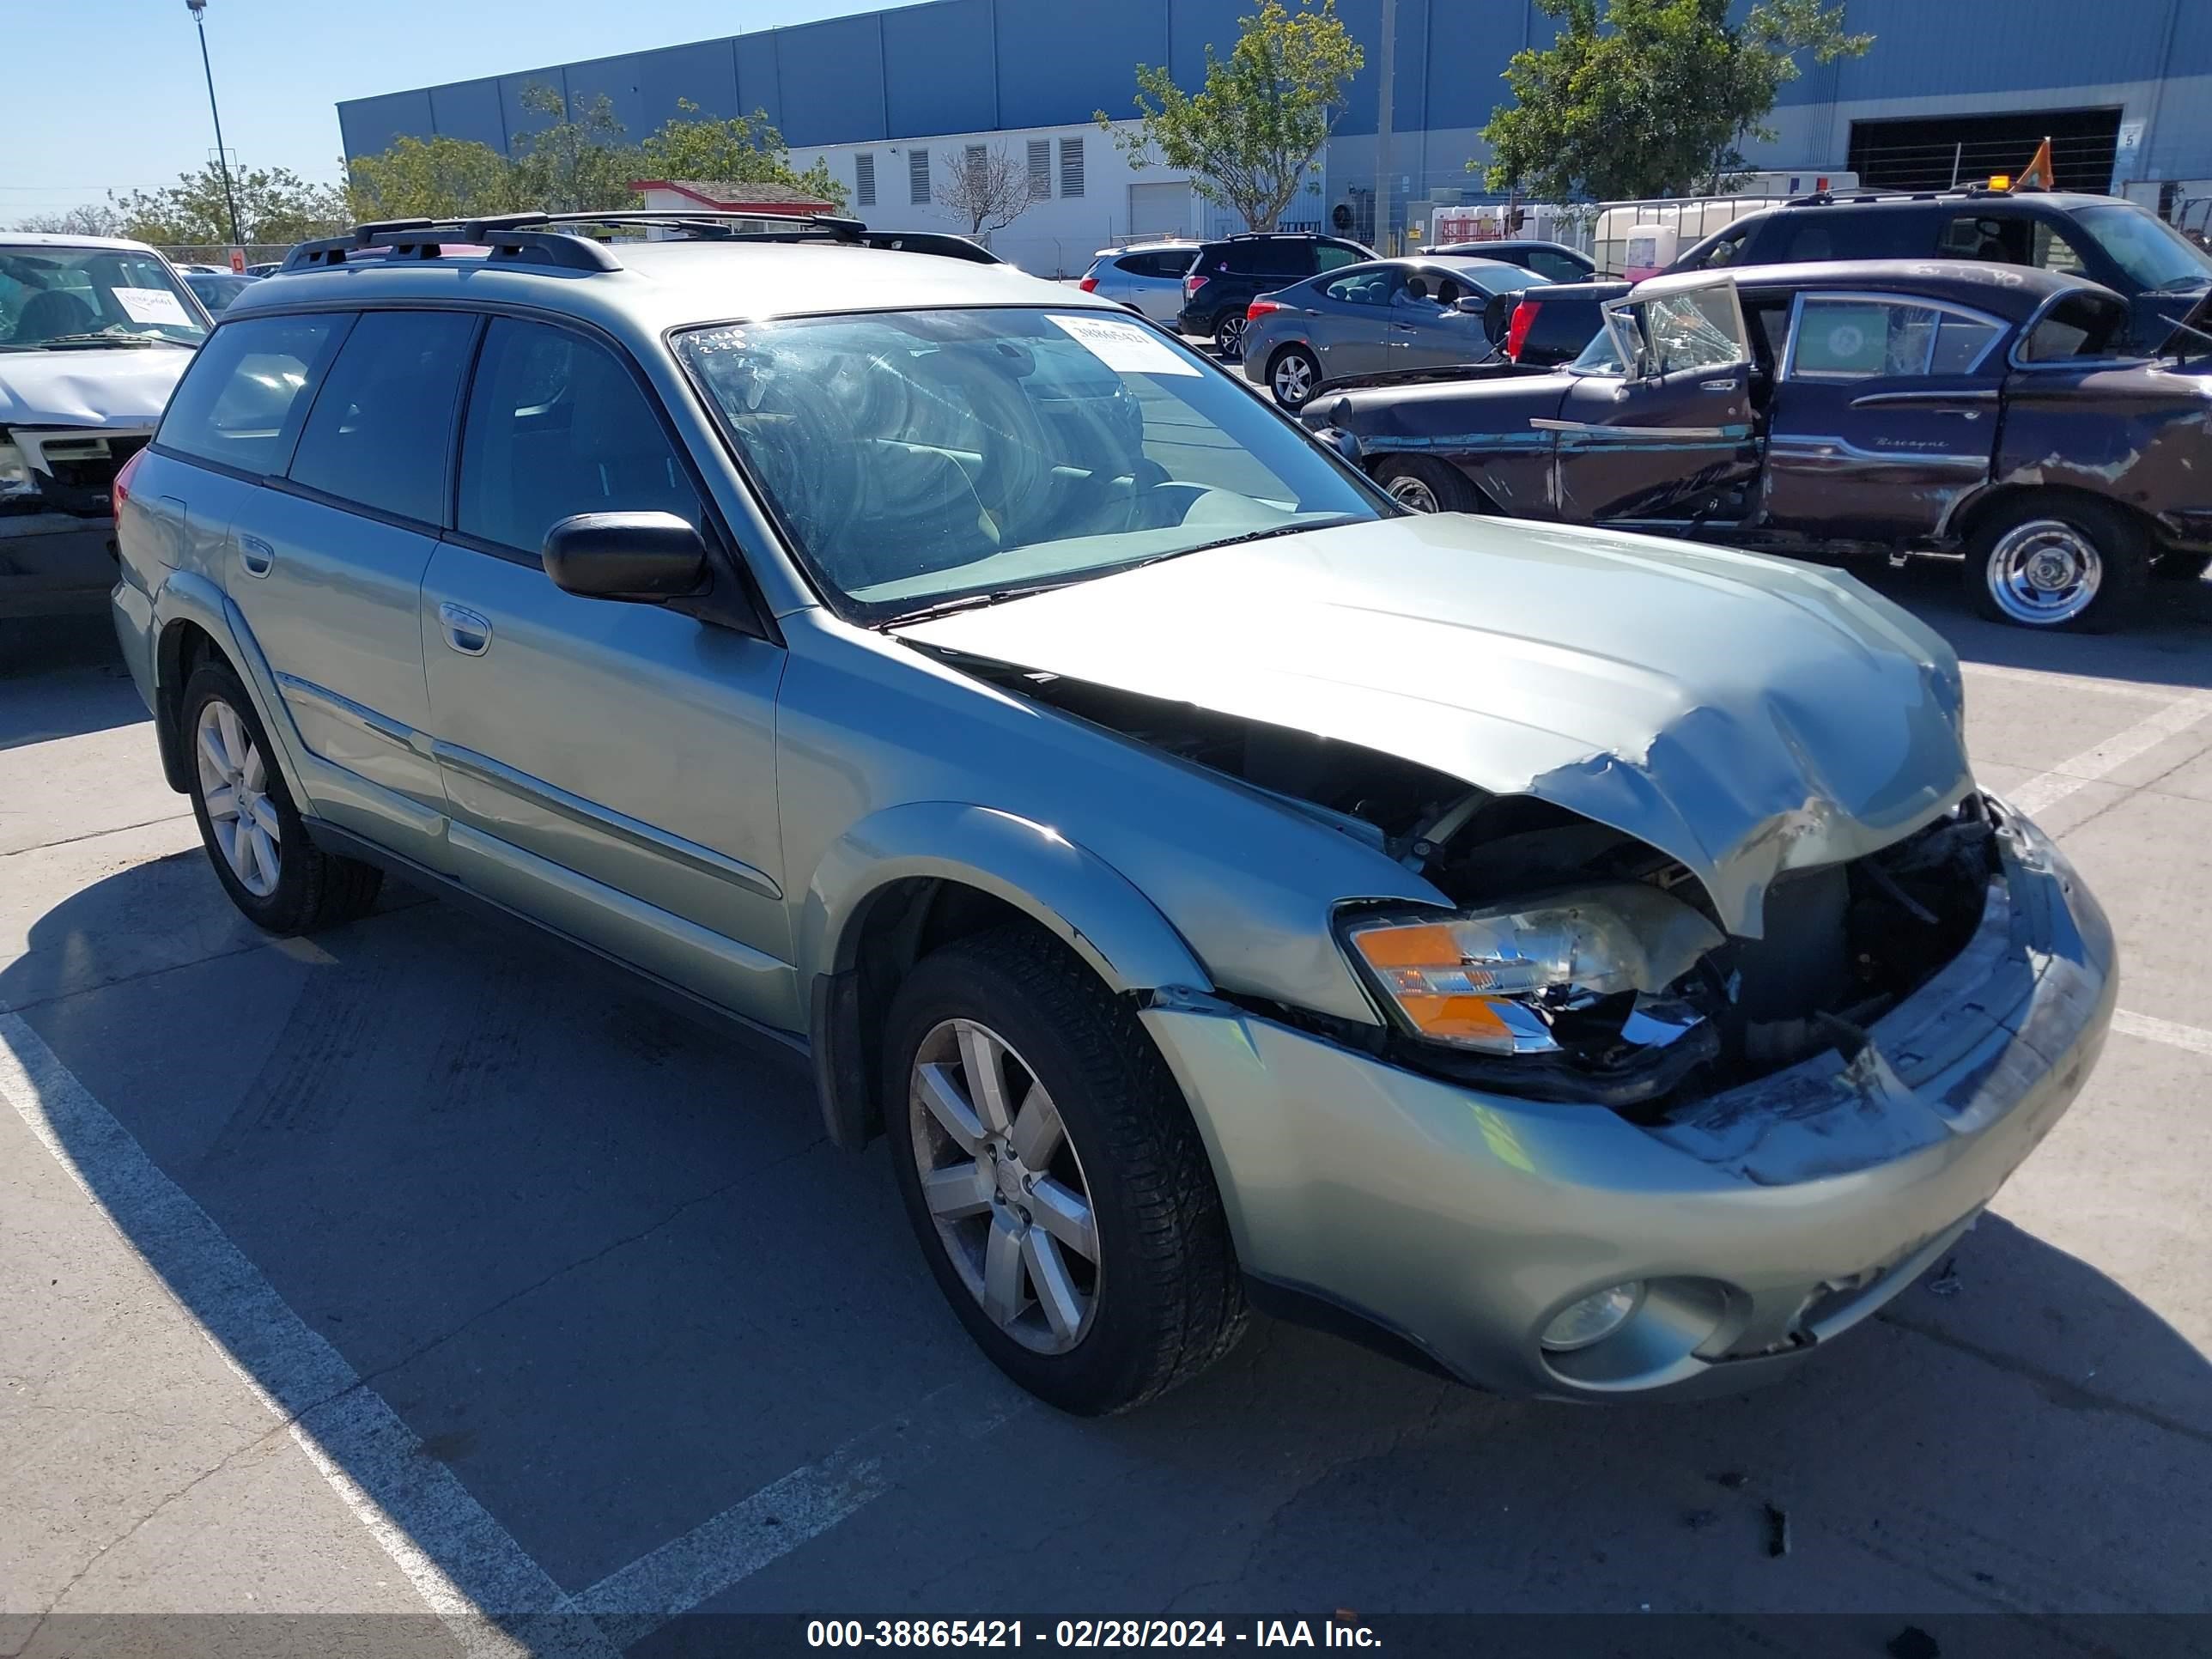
{"x":1387,"y":90}
{"x":199,"y":9}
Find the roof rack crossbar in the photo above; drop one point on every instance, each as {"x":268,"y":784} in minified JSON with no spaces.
{"x":557,"y":238}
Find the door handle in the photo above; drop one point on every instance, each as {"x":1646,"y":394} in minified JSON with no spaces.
{"x":256,"y":554}
{"x":465,"y":631}
{"x":1717,"y":386}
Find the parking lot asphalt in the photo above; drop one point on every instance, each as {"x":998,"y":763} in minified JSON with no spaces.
{"x":416,"y":1270}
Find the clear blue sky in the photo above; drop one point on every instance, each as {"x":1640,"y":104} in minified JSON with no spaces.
{"x":107,"y":95}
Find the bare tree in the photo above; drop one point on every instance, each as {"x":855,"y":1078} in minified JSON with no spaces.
{"x":988,"y":185}
{"x":93,"y":219}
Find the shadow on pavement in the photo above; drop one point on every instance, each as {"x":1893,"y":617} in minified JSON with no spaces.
{"x":600,"y":1262}
{"x":78,"y":682}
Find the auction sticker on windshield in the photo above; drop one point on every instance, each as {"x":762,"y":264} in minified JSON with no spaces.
{"x":1122,"y":347}
{"x":152,"y":305}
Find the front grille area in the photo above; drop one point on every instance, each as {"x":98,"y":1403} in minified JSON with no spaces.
{"x":80,"y":469}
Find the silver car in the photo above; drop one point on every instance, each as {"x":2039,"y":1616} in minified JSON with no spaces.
{"x":1146,"y":276}
{"x":1381,"y":318}
{"x":1581,"y":962}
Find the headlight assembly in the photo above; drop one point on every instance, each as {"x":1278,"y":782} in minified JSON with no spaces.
{"x":1495,"y":981}
{"x":17,"y":481}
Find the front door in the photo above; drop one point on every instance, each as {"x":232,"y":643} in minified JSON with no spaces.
{"x":1671,"y":439}
{"x":1429,"y":329}
{"x":610,"y":767}
{"x":1884,"y":415}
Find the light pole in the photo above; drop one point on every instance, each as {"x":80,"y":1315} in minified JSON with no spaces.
{"x":1388,"y":90}
{"x":199,"y":9}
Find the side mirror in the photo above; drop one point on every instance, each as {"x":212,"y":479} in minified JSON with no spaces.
{"x":1474,"y":304}
{"x":642,"y":556}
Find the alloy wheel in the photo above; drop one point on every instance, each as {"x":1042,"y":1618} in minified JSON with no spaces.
{"x":1409,"y":492}
{"x":1004,"y":1186}
{"x":1229,"y":340}
{"x":1293,"y":380}
{"x":235,"y":789}
{"x":2045,"y":572}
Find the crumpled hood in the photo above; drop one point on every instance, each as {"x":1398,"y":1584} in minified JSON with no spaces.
{"x":1747,"y":715}
{"x":127,"y":387}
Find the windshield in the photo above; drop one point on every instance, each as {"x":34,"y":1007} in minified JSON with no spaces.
{"x":57,"y":299}
{"x":2154,"y":253}
{"x":915,"y":459}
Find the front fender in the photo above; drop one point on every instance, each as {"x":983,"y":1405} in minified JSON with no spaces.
{"x":188,"y":598}
{"x":1067,"y":889}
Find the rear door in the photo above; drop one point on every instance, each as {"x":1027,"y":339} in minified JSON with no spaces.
{"x":611,"y":766}
{"x":329,"y":561}
{"x":1352,"y":320}
{"x":1673,"y":438}
{"x":1884,"y":415}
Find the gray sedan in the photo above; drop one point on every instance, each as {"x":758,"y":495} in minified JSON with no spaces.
{"x":1372,"y":318}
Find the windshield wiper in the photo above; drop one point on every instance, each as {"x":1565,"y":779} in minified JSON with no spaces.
{"x":93,"y":340}
{"x":969,"y":602}
{"x":1262,"y":535}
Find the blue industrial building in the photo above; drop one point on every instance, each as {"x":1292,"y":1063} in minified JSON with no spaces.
{"x":1950,"y":87}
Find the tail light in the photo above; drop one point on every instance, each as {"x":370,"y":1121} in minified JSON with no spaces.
{"x":1260,"y":308}
{"x":1191,"y":284}
{"x":119,"y":491}
{"x":1516,"y":332}
{"x":1089,"y":285}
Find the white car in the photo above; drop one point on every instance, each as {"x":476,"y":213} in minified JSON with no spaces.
{"x":1147,"y":277}
{"x":93,"y":334}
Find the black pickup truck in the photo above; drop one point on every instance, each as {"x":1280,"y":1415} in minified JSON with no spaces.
{"x":2160,"y":273}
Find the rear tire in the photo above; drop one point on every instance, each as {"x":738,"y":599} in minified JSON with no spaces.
{"x":279,"y":879}
{"x":1294,"y":377}
{"x":1157,"y":1299}
{"x":1424,"y":485}
{"x":1229,"y":336}
{"x":2059,"y":563}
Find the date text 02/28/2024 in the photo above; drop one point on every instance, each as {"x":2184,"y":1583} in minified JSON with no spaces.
{"x":1342,"y":1631}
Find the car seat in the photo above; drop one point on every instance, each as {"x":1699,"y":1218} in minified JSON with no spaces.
{"x":51,"y":314}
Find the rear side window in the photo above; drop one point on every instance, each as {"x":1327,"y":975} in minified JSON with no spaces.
{"x":240,"y":403}
{"x":556,"y":426}
{"x":1329,"y":257}
{"x":1561,"y":269}
{"x":383,"y":422}
{"x":1271,"y":258}
{"x":1172,"y":263}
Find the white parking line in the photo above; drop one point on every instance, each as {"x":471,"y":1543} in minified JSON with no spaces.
{"x":2046,"y":789}
{"x":631,"y":1604}
{"x":464,"y":1564}
{"x":2192,"y":1037}
{"x":480,"y":1582}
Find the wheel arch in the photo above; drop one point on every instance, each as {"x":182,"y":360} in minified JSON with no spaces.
{"x":195,"y":622}
{"x":1971,"y":514}
{"x":912,"y":878}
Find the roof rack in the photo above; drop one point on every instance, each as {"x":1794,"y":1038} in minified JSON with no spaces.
{"x":562,"y":240}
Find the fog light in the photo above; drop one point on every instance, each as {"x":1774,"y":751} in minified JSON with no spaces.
{"x":1594,"y":1318}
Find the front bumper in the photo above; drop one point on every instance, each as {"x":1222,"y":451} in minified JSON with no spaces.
{"x":55,"y":564}
{"x":1766,"y":1220}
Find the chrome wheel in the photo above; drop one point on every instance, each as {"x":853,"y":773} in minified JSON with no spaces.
{"x":1409,"y":492}
{"x":1004,"y":1186}
{"x":1293,"y":380}
{"x":2044,"y":572}
{"x":233,"y":788}
{"x":1229,"y":340}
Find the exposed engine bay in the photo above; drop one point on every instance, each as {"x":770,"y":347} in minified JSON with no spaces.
{"x":1842,"y":943}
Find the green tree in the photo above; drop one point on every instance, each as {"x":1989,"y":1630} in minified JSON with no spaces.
{"x":434,"y":178}
{"x":1248,"y":136}
{"x":747,"y":150}
{"x":579,"y":163}
{"x":275,"y":205}
{"x":1639,"y":98}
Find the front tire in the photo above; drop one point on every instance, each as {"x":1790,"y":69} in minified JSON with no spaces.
{"x":1053,"y":1176}
{"x":1294,"y":377}
{"x":2058,"y":562}
{"x":1423,"y":485}
{"x":277,"y":878}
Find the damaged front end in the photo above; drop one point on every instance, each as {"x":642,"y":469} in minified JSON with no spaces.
{"x":1577,"y":963}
